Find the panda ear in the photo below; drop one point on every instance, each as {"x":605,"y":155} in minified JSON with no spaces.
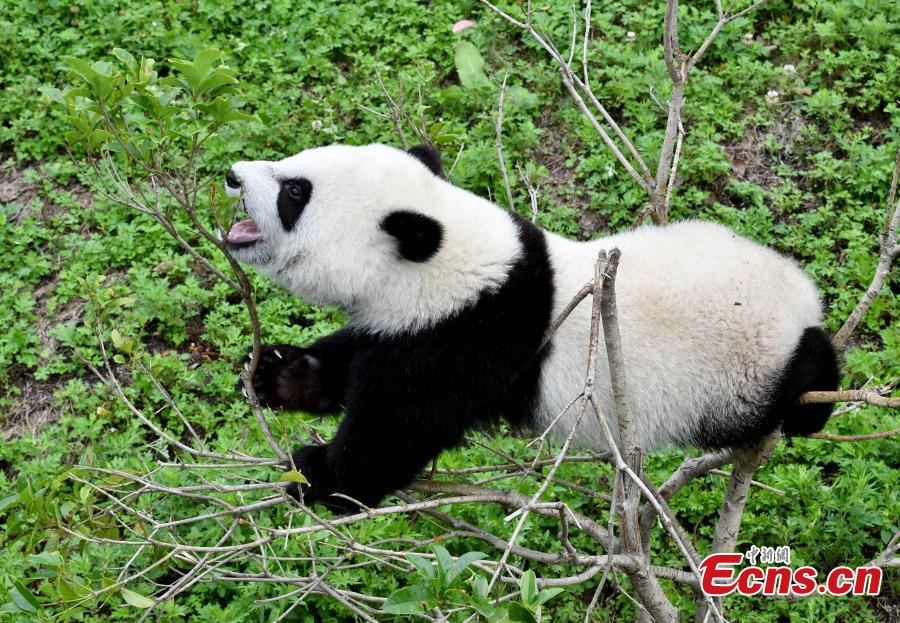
{"x":429,"y":156}
{"x":418,"y":236}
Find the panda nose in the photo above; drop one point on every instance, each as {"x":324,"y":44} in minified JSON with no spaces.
{"x":231,"y":180}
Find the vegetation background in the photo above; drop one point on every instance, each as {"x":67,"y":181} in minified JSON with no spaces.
{"x":792,"y":121}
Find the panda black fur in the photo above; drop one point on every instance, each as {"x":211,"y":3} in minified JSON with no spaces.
{"x":450,"y":298}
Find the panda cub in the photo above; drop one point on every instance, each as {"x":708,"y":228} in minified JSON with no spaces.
{"x":449,"y":299}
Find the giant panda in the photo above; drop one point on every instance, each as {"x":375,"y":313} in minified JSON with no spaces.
{"x":449,"y":299}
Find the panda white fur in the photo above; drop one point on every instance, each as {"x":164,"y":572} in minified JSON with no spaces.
{"x":449,"y":298}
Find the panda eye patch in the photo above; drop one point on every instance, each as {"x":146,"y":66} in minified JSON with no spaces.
{"x":292,"y":199}
{"x":294,"y":190}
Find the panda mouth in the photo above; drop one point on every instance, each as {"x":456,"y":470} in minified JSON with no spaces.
{"x":243,"y":233}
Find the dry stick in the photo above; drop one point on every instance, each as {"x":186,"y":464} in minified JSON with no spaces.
{"x":672,"y":173}
{"x":616,"y":358}
{"x":607,"y":316}
{"x":117,"y":388}
{"x":754,"y":483}
{"x":679,"y":66}
{"x":851,"y":438}
{"x":723,"y":19}
{"x":569,"y":81}
{"x":669,"y":522}
{"x":745,"y":464}
{"x":510,"y":467}
{"x":652,"y":597}
{"x":628,"y":500}
{"x":498,"y":144}
{"x":675,"y":63}
{"x":396,"y":108}
{"x":531,"y":505}
{"x":887,"y":558}
{"x":869,"y":396}
{"x":347,"y":602}
{"x":199,"y":569}
{"x":647,"y":585}
{"x":478,"y":495}
{"x":567,"y":73}
{"x":596,"y":102}
{"x":888,"y":250}
{"x":574,"y":33}
{"x":582,"y":294}
{"x":242,"y":286}
{"x":690,"y":468}
{"x":525,"y":175}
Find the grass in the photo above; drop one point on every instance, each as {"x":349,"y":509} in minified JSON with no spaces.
{"x":805,"y":172}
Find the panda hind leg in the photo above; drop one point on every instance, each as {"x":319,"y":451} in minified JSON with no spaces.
{"x":813,"y":367}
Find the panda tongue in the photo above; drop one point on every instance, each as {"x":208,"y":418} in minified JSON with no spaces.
{"x":243,"y":232}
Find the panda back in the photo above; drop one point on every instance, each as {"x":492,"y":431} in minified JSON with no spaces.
{"x":709,"y":321}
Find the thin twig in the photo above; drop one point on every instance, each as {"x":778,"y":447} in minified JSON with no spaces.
{"x":498,"y":144}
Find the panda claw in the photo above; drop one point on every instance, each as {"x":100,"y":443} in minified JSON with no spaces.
{"x":313,"y":363}
{"x":277,"y":354}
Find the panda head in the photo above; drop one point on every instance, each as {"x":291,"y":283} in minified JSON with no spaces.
{"x":372,"y":229}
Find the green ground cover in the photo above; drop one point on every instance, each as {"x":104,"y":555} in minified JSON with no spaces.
{"x":806,"y":172}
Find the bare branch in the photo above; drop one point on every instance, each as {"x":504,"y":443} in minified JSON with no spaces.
{"x":498,"y":144}
{"x":849,"y":395}
{"x":888,"y":250}
{"x":395,"y":107}
{"x":746,"y":461}
{"x":851,"y":438}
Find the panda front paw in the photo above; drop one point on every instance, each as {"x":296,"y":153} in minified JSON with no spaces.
{"x":311,"y":461}
{"x":288,"y":377}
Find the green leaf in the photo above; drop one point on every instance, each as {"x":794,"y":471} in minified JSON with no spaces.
{"x":224,"y":110}
{"x":520,"y":97}
{"x":97,"y":138}
{"x":136,"y":599}
{"x":409,"y":600}
{"x":10,"y":607}
{"x":498,"y":615}
{"x":528,"y":586}
{"x":102,"y":84}
{"x":294,"y":476}
{"x":68,"y":591}
{"x":124,"y":301}
{"x":425,"y":568}
{"x":54,"y":94}
{"x":444,"y":563}
{"x":459,"y":566}
{"x":126,"y":57}
{"x":549,"y":593}
{"x":9,"y":501}
{"x":220,"y":77}
{"x":481,"y":587}
{"x":197,"y":70}
{"x":519,"y":614}
{"x":469,"y":65}
{"x":22,"y":597}
{"x":48,"y":559}
{"x":223,"y":209}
